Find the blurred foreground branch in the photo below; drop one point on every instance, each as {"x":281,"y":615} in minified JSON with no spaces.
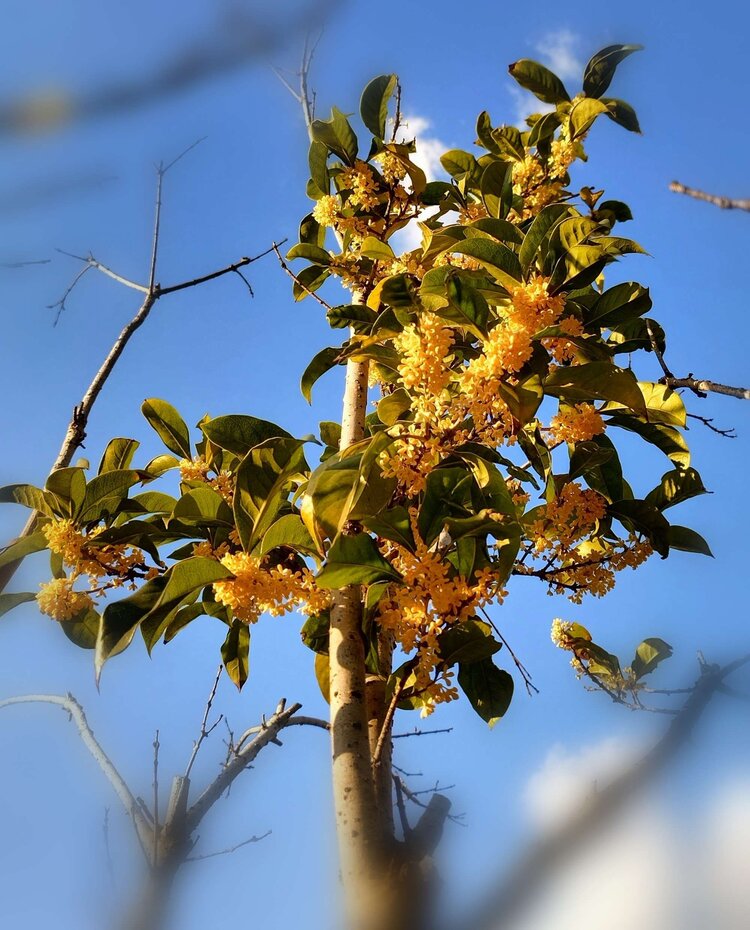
{"x":528,"y":877}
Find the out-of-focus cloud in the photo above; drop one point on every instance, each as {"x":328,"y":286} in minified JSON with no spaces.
{"x":648,"y":869}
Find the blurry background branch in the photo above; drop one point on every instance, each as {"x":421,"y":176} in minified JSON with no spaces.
{"x":725,"y":203}
{"x":167,"y":843}
{"x":528,"y":877}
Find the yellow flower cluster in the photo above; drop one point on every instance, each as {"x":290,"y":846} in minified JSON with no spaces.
{"x":391,"y":167}
{"x":198,"y":469}
{"x":562,"y":156}
{"x":560,"y":348}
{"x":472,"y":212}
{"x":57,"y":599}
{"x":595,"y":572}
{"x":327,"y":210}
{"x":568,"y":518}
{"x":560,"y":634}
{"x":576,"y":424}
{"x":425,"y":356}
{"x":360,"y":182}
{"x":76,"y":551}
{"x":431,"y":598}
{"x":259,"y":588}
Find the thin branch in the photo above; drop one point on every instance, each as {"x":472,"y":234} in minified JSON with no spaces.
{"x":205,"y":729}
{"x":725,"y":203}
{"x":243,"y":757}
{"x":76,"y":713}
{"x":414,"y":798}
{"x":228,"y":269}
{"x":60,"y":305}
{"x":524,"y":672}
{"x":730,"y":433}
{"x":417,"y":732}
{"x":387,"y":724}
{"x":502,"y":904}
{"x":157,"y":825}
{"x":231,"y":849}
{"x":107,"y":849}
{"x":700,"y":387}
{"x":296,"y":280}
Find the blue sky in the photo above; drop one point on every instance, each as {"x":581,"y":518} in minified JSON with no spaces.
{"x":215,"y":350}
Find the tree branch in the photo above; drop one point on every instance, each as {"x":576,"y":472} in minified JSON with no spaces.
{"x":76,"y":713}
{"x":725,"y":203}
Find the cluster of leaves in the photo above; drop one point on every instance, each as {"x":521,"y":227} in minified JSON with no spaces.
{"x":505,"y":220}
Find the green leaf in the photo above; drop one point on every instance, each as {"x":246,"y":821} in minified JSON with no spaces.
{"x":105,"y":492}
{"x":373,"y":106}
{"x":69,"y":486}
{"x":666,"y":438}
{"x":322,"y":362}
{"x":620,"y":304}
{"x":235,"y":653}
{"x":239,"y":434}
{"x":497,"y":258}
{"x":289,"y":531}
{"x":118,"y":455}
{"x":596,"y":381}
{"x":338,"y":135}
{"x":315,"y":632}
{"x":496,"y":187}
{"x":488,"y":688}
{"x":447,"y":494}
{"x":169,"y":425}
{"x":392,"y":407}
{"x":458,"y":163}
{"x":583,"y":114}
{"x":323,"y":675}
{"x":161,"y":465}
{"x":642,"y":517}
{"x":121,"y":619}
{"x":622,"y":114}
{"x":393,"y":524}
{"x":354,"y":560}
{"x":309,"y":280}
{"x":601,"y":68}
{"x":687,"y":540}
{"x":676,"y":486}
{"x":9,"y":601}
{"x":318,"y":161}
{"x":539,"y":80}
{"x":203,"y":506}
{"x":263,"y":480}
{"x":28,"y":496}
{"x":313,"y":253}
{"x":377,"y":250}
{"x":82,"y":630}
{"x":360,"y":317}
{"x":471,"y":306}
{"x":467,"y":642}
{"x":541,"y":225}
{"x":648,"y":655}
{"x":184,"y":580}
{"x":20,"y":548}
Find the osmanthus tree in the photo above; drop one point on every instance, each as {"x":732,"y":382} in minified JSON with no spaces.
{"x":503,"y":369}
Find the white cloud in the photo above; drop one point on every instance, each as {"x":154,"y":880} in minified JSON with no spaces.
{"x":558,"y":53}
{"x":426,"y":157}
{"x":429,"y":147}
{"x":650,"y":868}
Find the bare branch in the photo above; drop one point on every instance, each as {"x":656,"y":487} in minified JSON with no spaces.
{"x":205,"y":729}
{"x":725,"y":203}
{"x":247,"y":750}
{"x":76,"y":713}
{"x":699,"y":387}
{"x":417,"y":732}
{"x":229,"y":269}
{"x":231,"y":849}
{"x":296,"y":280}
{"x":730,"y":433}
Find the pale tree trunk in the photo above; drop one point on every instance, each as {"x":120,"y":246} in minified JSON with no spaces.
{"x":382,"y":884}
